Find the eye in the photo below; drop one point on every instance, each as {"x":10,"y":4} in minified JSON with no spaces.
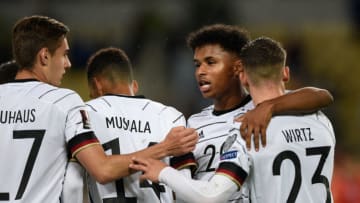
{"x":210,"y":62}
{"x":197,"y":64}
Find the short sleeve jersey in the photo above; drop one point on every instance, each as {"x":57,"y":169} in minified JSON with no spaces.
{"x":295,"y":166}
{"x":126,"y":124}
{"x":41,"y":126}
{"x":213,"y":128}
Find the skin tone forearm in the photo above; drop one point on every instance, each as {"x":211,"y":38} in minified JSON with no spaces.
{"x":105,"y":168}
{"x":304,"y":100}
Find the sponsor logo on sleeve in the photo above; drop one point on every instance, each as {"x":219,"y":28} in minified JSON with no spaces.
{"x":228,"y":155}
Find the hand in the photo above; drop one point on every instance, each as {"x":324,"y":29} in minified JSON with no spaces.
{"x":180,"y":141}
{"x":151,"y":168}
{"x":255,"y":123}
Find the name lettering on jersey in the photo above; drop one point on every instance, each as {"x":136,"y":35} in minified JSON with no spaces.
{"x":297,"y":135}
{"x":19,"y":116}
{"x":126,"y":124}
{"x":229,"y":155}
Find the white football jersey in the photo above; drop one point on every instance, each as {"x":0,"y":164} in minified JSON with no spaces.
{"x":126,"y":124}
{"x":40,"y":125}
{"x":295,"y":166}
{"x":213,"y":128}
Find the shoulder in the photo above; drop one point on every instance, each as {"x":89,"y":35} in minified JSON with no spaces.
{"x":63,"y":98}
{"x":165,"y":111}
{"x":205,"y":112}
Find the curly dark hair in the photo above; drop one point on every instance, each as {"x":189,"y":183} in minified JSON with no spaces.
{"x":231,"y":38}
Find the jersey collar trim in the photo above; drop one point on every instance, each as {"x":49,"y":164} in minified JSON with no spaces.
{"x":25,"y":80}
{"x":246,"y":100}
{"x":121,"y":95}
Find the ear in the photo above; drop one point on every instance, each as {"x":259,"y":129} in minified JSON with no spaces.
{"x":286,"y":74}
{"x":243,"y":78}
{"x":98,"y":86}
{"x":134,"y":87}
{"x":44,"y":56}
{"x":237,"y":68}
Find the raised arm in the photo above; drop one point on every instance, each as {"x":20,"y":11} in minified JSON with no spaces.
{"x":303,"y":100}
{"x":105,"y":168}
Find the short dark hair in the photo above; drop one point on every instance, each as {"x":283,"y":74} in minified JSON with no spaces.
{"x":8,"y":71}
{"x":231,"y":38}
{"x":30,"y":34}
{"x":263,"y":57}
{"x":112,"y":63}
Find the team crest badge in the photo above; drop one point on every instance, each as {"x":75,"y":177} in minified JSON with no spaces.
{"x":85,"y":119}
{"x":228,"y":143}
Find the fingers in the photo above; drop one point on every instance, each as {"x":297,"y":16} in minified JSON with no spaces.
{"x":239,"y":119}
{"x":263,"y":136}
{"x":190,"y":137}
{"x":138,"y":164}
{"x":256,"y":138}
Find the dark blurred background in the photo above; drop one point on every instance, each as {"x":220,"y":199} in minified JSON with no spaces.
{"x":322,"y":38}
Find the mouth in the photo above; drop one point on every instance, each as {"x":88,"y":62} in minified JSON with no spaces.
{"x":204,"y":86}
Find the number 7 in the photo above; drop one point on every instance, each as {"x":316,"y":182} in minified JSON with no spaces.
{"x":38,"y":136}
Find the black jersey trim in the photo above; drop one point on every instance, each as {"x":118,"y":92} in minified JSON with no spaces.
{"x":24,"y":80}
{"x":93,"y":108}
{"x":178,"y":118}
{"x":45,"y":93}
{"x":71,"y":93}
{"x":233,"y":171}
{"x":108,"y":103}
{"x":214,"y":123}
{"x":127,"y":96}
{"x":186,"y":160}
{"x":80,"y":141}
{"x":246,"y":100}
{"x":145,"y":106}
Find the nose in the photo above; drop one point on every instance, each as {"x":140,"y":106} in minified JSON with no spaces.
{"x":201,"y":69}
{"x":67,"y":63}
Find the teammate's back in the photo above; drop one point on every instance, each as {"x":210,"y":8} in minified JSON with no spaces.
{"x":33,"y":139}
{"x":297,"y":163}
{"x":126,"y":123}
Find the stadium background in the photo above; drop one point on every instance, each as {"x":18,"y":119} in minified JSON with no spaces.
{"x":322,"y":38}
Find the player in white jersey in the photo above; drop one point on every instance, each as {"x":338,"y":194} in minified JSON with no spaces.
{"x":295,"y":166}
{"x":216,"y":57}
{"x":42,"y":125}
{"x":126,"y":123}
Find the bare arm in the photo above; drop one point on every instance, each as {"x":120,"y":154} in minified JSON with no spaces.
{"x":304,"y":100}
{"x":105,"y":168}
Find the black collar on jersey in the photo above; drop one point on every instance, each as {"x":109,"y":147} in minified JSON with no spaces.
{"x":25,"y":80}
{"x":242,"y":103}
{"x":128,"y":96}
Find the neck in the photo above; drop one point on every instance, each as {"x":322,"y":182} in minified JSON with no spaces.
{"x":229,"y":102}
{"x":29,"y":74}
{"x":265,"y":92}
{"x":123,"y":89}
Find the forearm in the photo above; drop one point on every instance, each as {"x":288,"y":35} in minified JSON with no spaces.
{"x":303,"y":100}
{"x":218,"y":189}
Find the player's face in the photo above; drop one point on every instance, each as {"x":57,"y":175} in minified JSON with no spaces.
{"x":58,"y":63}
{"x":215,"y":72}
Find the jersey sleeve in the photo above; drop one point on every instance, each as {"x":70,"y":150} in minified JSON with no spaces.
{"x":78,"y":132}
{"x":234,"y":161}
{"x":184,"y":161}
{"x":217,"y":189}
